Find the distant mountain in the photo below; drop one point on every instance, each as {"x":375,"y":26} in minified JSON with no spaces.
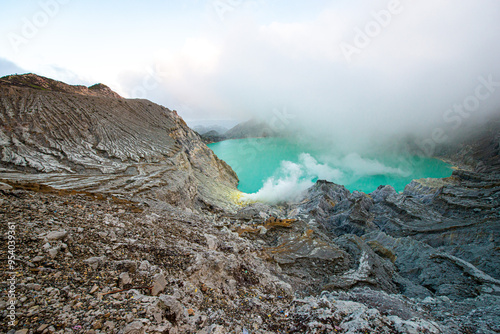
{"x":250,"y":129}
{"x":212,"y":137}
{"x":203,"y":129}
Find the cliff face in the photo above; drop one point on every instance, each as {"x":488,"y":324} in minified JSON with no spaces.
{"x":92,"y":139}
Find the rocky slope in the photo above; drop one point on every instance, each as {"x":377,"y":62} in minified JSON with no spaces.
{"x":91,"y":139}
{"x":124,"y":223}
{"x":89,"y":263}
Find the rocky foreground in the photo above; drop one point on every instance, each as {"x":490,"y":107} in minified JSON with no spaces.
{"x":109,"y":239}
{"x":97,"y":264}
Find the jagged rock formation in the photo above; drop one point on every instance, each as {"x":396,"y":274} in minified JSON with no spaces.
{"x":91,"y":139}
{"x":439,"y":238}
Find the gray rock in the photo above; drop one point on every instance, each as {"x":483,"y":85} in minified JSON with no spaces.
{"x":95,"y":261}
{"x":38,"y":259}
{"x":211,"y":242}
{"x":159,"y":284}
{"x":370,"y":269}
{"x":213,"y":329}
{"x":53,"y":252}
{"x":56,"y":235}
{"x":136,"y":327}
{"x":172,"y":309}
{"x":145,"y":265}
{"x":94,"y":289}
{"x":110,"y":325}
{"x":126,"y":265}
{"x":125,"y":279}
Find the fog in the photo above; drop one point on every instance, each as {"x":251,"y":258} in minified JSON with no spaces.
{"x":428,"y":69}
{"x":352,"y":74}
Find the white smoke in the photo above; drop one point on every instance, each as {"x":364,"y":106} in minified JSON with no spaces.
{"x":318,"y":170}
{"x":287,"y":187}
{"x":364,"y":166}
{"x":291,"y":181}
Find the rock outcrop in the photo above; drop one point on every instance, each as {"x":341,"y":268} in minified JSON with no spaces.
{"x":90,"y":139}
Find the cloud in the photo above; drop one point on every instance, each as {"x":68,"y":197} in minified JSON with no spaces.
{"x":428,"y":58}
{"x":423,"y":59}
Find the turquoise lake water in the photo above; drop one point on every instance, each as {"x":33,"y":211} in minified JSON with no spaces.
{"x":279,"y":167}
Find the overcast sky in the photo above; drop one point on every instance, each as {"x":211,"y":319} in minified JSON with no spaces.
{"x":343,"y":66}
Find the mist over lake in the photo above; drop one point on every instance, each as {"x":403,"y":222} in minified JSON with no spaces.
{"x":276,"y":169}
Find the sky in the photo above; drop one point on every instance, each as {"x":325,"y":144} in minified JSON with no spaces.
{"x":340,"y":69}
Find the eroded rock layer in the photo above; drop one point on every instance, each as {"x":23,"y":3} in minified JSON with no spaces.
{"x":91,"y":139}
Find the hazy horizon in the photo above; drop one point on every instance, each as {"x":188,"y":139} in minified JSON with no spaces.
{"x":350,"y":73}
